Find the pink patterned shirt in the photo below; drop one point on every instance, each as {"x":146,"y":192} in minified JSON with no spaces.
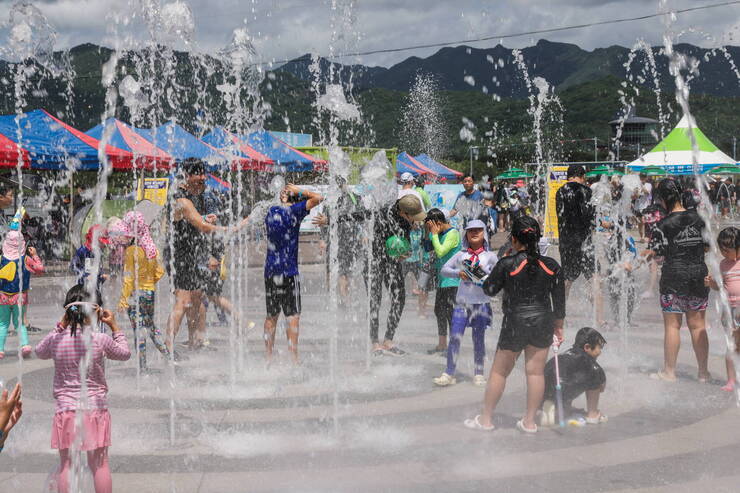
{"x":731,"y":277}
{"x":67,"y":352}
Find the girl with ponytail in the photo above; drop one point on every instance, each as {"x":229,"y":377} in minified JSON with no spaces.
{"x":67,"y":347}
{"x":679,"y":239}
{"x":534,"y":308}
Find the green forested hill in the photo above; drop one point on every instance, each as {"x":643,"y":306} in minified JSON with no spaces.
{"x":506,"y":124}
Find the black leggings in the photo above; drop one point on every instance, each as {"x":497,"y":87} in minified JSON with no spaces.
{"x":444,"y":301}
{"x":388,"y":273}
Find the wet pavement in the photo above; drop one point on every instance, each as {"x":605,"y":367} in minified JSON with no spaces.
{"x":218,"y":424}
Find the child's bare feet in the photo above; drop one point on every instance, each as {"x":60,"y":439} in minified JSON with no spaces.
{"x":664,"y":376}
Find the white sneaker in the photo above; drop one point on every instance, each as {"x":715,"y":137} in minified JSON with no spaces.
{"x":479,"y":380}
{"x":444,"y":380}
{"x":548,"y":414}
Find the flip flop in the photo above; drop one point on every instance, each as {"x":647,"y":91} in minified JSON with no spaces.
{"x":520,"y":426}
{"x":597,"y":421}
{"x":474,"y":424}
{"x":662,"y":376}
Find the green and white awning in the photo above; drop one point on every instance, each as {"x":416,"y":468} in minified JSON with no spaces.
{"x":675,"y":154}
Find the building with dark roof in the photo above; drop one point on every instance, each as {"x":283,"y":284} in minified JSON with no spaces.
{"x":635,"y":130}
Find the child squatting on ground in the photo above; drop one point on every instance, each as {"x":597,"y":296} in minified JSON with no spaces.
{"x":728,"y":241}
{"x":66,"y":346}
{"x":579,"y":373}
{"x":471,"y":303}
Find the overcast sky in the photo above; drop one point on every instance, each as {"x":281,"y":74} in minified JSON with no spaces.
{"x":288,"y":28}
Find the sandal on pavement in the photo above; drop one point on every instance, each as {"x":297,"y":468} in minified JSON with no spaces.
{"x":394,"y":351}
{"x":520,"y":426}
{"x":445,"y":380}
{"x":704,"y":378}
{"x":474,"y":424}
{"x":26,"y":352}
{"x":660,"y":375}
{"x":437,"y":350}
{"x":598,"y":420}
{"x":548,"y":414}
{"x":729,"y":386}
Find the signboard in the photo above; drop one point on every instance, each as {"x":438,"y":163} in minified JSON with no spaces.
{"x":557,"y":176}
{"x":443,"y":197}
{"x":153,"y":189}
{"x":678,"y":169}
{"x":306,"y":226}
{"x":293,"y":139}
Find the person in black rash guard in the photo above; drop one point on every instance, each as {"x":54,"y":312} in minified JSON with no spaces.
{"x":679,"y":239}
{"x":385,"y":270}
{"x":534,"y":308}
{"x":576,"y":221}
{"x":579,"y":373}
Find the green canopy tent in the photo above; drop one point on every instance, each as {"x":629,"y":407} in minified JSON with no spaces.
{"x":603,"y":170}
{"x":653,"y":171}
{"x":725,"y":169}
{"x":514,"y":174}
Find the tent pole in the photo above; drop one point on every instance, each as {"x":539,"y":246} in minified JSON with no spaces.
{"x":471,"y":160}
{"x":596,"y":149}
{"x":71,"y":212}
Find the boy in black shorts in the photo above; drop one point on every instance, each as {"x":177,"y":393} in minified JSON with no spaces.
{"x":282,"y":285}
{"x":579,"y":373}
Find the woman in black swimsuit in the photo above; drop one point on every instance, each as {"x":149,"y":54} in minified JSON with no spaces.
{"x":679,"y":239}
{"x":534,"y":309}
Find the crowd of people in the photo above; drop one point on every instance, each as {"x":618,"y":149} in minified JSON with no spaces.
{"x":406,"y":235}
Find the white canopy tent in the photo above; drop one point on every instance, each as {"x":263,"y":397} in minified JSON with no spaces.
{"x":674,"y":153}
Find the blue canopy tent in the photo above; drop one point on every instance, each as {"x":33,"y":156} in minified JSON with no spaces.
{"x":181,"y":144}
{"x":284,"y":156}
{"x":225,"y":141}
{"x":439,"y":168}
{"x":124,"y":136}
{"x":216,"y":183}
{"x":402,"y":167}
{"x":49,"y":143}
{"x":406,"y":163}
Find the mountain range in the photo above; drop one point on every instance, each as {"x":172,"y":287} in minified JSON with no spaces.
{"x":483,"y":87}
{"x":494,"y":70}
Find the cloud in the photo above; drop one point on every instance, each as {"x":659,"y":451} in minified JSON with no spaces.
{"x":288,"y":28}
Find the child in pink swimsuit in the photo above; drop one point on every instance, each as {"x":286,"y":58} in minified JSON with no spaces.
{"x":66,"y":346}
{"x":728,"y":241}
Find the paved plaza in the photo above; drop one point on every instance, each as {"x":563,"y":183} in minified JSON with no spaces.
{"x":225,"y":424}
